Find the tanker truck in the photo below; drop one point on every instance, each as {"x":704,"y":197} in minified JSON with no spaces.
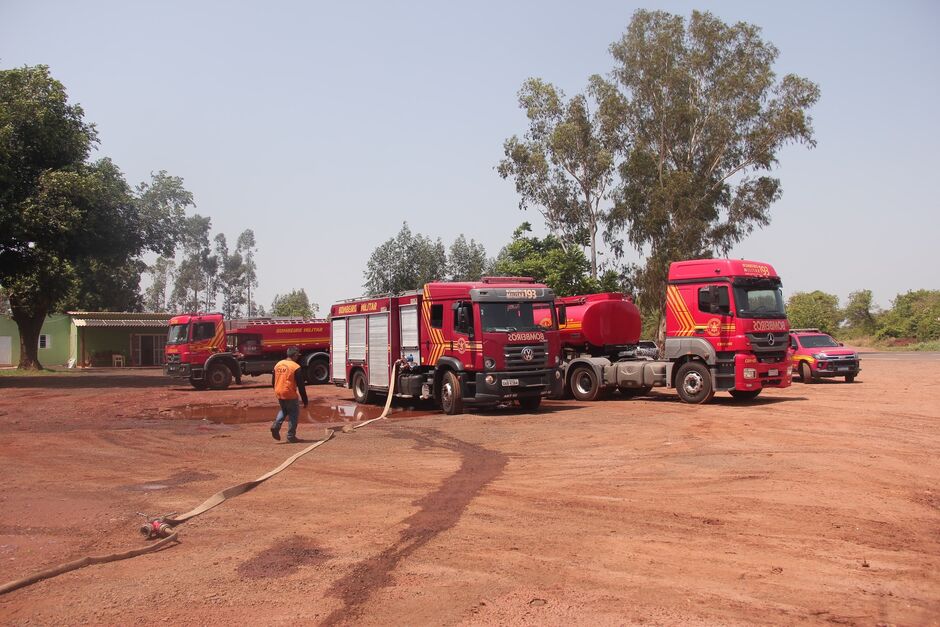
{"x":209,"y":351}
{"x":726,"y":330}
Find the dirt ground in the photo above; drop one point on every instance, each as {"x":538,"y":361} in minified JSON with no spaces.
{"x":816,"y":504}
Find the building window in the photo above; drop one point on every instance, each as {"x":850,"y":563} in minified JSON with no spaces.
{"x":45,"y":341}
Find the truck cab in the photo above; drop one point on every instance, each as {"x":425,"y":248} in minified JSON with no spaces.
{"x":726,"y":328}
{"x":191,"y":341}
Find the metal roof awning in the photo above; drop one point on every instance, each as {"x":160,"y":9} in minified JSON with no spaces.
{"x":92,"y":322}
{"x":118,"y":319}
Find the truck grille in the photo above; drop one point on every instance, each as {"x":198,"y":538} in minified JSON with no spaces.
{"x":515,"y":360}
{"x":837,"y":361}
{"x":173,"y":358}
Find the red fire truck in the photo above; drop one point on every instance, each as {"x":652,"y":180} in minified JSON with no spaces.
{"x":477,"y":344}
{"x":726,"y":330}
{"x":210,"y":351}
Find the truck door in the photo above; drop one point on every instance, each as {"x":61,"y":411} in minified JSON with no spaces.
{"x":338,"y":349}
{"x":408,"y":318}
{"x":378,"y":350}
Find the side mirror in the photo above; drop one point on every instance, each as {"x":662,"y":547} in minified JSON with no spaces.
{"x":562,"y":315}
{"x":841,"y":343}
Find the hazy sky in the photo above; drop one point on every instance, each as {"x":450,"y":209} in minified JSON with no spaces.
{"x":323,"y":126}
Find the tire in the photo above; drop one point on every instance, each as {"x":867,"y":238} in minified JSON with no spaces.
{"x":745,"y":395}
{"x":318,"y":372}
{"x":530,"y":403}
{"x":694,"y":383}
{"x":583,"y":384}
{"x":806,"y":373}
{"x":218,"y":377}
{"x":451,"y":395}
{"x":199,"y":384}
{"x":360,"y":386}
{"x":850,"y":378}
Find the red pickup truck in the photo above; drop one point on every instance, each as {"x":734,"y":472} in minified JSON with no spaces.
{"x":817,"y":355}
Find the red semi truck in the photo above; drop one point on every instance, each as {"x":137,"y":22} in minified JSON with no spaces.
{"x":726,"y":330}
{"x":210,"y":351}
{"x":479,"y":344}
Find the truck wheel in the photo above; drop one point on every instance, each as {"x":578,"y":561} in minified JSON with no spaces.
{"x":219,"y":377}
{"x":850,"y":378}
{"x":530,"y":403}
{"x":451,"y":396}
{"x":318,"y":372}
{"x":745,"y":395}
{"x":584,"y":385}
{"x":360,"y":386}
{"x":806,"y":373}
{"x":694,"y":383}
{"x":199,"y":384}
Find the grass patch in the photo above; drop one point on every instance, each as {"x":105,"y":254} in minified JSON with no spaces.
{"x":893,"y":345}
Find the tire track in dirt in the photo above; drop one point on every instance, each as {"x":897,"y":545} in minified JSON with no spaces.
{"x":437,"y":512}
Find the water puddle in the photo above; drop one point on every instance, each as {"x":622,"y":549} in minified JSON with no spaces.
{"x":315,"y":413}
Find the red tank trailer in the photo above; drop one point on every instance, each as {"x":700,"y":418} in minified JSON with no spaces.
{"x":726,"y":330}
{"x":210,"y":351}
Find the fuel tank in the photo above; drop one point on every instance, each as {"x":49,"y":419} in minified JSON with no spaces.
{"x":606,"y":319}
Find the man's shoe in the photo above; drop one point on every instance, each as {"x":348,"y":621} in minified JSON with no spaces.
{"x":275,"y":433}
{"x":292,"y":440}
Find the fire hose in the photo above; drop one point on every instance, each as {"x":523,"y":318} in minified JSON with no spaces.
{"x":165,"y":526}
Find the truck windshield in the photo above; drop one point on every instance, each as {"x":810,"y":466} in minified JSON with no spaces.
{"x":178,"y":334}
{"x":511,"y":317}
{"x":759,"y":299}
{"x":817,"y":341}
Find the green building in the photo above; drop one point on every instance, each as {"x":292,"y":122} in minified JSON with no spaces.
{"x":92,"y":339}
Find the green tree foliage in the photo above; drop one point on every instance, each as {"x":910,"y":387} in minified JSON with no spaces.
{"x":294,"y":304}
{"x":705,"y":117}
{"x":161,"y":273}
{"x":196,"y":269}
{"x":860,"y":313}
{"x":566,"y":271}
{"x":915,"y":314}
{"x":466,"y":261}
{"x":405,"y":262}
{"x":816,"y":309}
{"x":564,"y":165}
{"x":71,"y":231}
{"x":245,"y":248}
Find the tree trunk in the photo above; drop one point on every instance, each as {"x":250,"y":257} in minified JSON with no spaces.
{"x":29,"y":324}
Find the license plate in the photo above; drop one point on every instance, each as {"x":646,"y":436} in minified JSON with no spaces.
{"x":510,"y":382}
{"x":773,"y":372}
{"x":844,"y":368}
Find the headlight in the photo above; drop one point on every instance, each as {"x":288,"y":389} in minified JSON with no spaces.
{"x":490,"y":379}
{"x":750,"y":373}
{"x":790,"y":370}
{"x":557,"y":359}
{"x":822,"y":356}
{"x":489,"y":363}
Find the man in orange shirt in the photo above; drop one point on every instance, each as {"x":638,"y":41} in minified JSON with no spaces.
{"x":288,"y":383}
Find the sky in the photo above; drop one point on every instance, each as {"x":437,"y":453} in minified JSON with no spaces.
{"x":323,"y":126}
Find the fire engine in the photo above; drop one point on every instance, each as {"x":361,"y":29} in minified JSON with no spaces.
{"x":726,"y":330}
{"x":210,"y":351}
{"x":469,"y":343}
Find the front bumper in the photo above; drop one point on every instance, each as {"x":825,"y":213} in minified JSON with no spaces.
{"x":764,"y":374}
{"x":506,"y":386}
{"x":182,"y":371}
{"x":836,"y":368}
